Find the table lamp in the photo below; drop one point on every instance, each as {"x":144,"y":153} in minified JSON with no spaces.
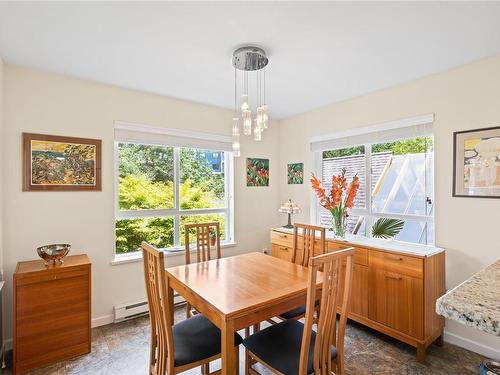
{"x":289,"y":208}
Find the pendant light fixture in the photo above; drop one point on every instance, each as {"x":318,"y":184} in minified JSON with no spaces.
{"x":252,"y":61}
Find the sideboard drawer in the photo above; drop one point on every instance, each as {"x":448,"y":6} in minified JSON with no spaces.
{"x":282,"y":252}
{"x":402,"y":264}
{"x":281,"y":238}
{"x":360,"y":255}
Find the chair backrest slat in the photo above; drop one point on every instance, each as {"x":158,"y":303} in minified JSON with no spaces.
{"x":307,"y":235}
{"x":160,"y":314}
{"x":203,"y":246}
{"x":331,"y":265}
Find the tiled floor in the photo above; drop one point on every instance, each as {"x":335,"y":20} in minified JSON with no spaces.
{"x":123,"y":349}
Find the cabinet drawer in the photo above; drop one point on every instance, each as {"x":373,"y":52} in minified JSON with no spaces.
{"x":402,"y":264}
{"x":282,"y":252}
{"x":360,"y":255}
{"x":50,"y":275}
{"x":283,"y":239}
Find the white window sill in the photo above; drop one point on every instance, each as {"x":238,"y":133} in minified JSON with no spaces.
{"x":137,"y":256}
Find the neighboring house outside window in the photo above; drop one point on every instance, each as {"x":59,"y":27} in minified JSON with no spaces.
{"x":400,"y":185}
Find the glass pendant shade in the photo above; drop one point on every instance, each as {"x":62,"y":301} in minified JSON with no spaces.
{"x":257,"y":131}
{"x":236,"y":145}
{"x":265,"y":116}
{"x":244,"y":103}
{"x":236,"y":126}
{"x":260,"y":117}
{"x":247,"y":122}
{"x":236,"y":137}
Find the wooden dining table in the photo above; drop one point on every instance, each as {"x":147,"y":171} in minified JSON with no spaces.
{"x":238,"y":292}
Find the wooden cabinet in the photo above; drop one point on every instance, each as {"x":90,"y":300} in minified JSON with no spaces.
{"x":396,"y":301}
{"x":392,"y":292}
{"x":51,"y":317}
{"x":359,"y":290}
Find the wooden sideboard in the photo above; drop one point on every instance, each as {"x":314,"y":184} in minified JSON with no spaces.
{"x":51,"y":317}
{"x":393,"y":292}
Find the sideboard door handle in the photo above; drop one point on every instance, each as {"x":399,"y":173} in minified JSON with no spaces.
{"x":399,"y":278}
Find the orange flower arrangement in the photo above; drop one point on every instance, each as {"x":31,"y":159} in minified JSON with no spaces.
{"x":340,"y":199}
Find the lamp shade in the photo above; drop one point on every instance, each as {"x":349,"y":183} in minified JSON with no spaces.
{"x":289,"y":208}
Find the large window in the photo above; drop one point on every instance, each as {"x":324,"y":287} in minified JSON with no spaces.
{"x":160,"y":188}
{"x":396,"y":181}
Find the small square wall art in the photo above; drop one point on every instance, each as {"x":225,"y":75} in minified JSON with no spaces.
{"x":257,"y":172}
{"x":295,"y":173}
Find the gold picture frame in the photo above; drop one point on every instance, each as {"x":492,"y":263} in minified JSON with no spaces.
{"x":56,"y":163}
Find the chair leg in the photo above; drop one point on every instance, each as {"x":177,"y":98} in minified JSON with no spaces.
{"x":248,"y":362}
{"x":334,"y":366}
{"x":188,"y":311}
{"x":205,"y":368}
{"x":237,"y":358}
{"x":247,"y":331}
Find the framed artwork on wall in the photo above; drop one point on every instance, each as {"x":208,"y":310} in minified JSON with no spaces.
{"x":295,"y":173}
{"x":476,"y":163}
{"x":56,"y":163}
{"x":257,"y":172}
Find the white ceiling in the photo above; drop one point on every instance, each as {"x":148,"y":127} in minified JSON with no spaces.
{"x":320,"y":53}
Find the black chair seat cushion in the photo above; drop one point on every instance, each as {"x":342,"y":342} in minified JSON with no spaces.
{"x":195,"y":339}
{"x":301,"y":310}
{"x":279,"y":346}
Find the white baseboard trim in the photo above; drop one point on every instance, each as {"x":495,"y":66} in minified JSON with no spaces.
{"x":471,"y":345}
{"x":102,"y":321}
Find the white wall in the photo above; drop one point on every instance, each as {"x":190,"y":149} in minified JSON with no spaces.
{"x":464,"y":98}
{"x":55,"y":104}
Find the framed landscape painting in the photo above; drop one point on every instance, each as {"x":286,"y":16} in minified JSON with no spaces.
{"x":61,"y":163}
{"x":477,"y":163}
{"x":295,"y":173}
{"x":257,"y":172}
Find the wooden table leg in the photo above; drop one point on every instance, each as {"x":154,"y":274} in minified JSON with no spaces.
{"x":228,"y":354}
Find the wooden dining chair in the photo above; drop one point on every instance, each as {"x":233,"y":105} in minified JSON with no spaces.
{"x":176,"y":348}
{"x":311,"y":245}
{"x":293,"y":348}
{"x":203,"y":232}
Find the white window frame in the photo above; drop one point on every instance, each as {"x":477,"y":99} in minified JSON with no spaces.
{"x":176,"y":212}
{"x":369,"y":215}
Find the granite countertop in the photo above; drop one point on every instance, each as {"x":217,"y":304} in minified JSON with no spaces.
{"x":475,"y":302}
{"x":378,"y":243}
